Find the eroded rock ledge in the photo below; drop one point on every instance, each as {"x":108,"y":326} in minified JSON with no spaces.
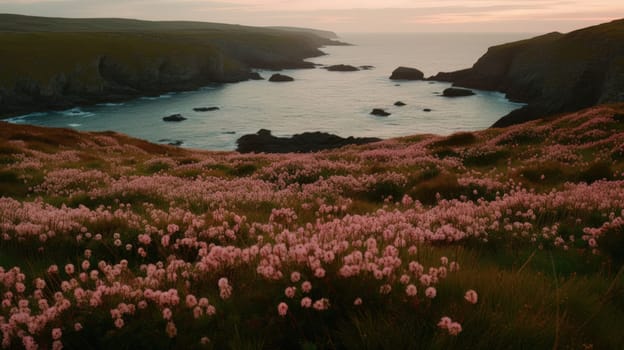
{"x":264,"y":142}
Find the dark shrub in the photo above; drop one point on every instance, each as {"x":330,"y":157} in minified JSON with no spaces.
{"x":485,"y":158}
{"x":597,"y":171}
{"x":553,"y":173}
{"x":381,"y":190}
{"x":612,"y":243}
{"x":243,"y":170}
{"x":445,"y":184}
{"x":457,"y":139}
{"x":445,"y":152}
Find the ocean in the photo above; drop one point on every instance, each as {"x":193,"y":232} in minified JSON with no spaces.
{"x":318,"y":100}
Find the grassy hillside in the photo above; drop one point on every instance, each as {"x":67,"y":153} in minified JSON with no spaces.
{"x":515,"y":235}
{"x":57,"y":63}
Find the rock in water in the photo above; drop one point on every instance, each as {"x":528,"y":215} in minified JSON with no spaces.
{"x":427,"y":110}
{"x":407,"y":73}
{"x":342,"y":68}
{"x":255,"y":76}
{"x":263,"y":141}
{"x":278,"y":78}
{"x":174,"y":118}
{"x":380,"y":112}
{"x":399,"y":103}
{"x":366,"y":67}
{"x":205,"y":109}
{"x":456,"y":92}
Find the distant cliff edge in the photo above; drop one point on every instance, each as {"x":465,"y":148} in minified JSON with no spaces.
{"x":552,"y":73}
{"x":58,"y":63}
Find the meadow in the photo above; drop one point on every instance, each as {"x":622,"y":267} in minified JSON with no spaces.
{"x":500,"y":239}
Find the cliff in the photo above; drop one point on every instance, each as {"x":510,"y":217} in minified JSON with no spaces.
{"x":56,"y":63}
{"x":552,"y":73}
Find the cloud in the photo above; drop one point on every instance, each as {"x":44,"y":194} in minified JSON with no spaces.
{"x":346,"y":15}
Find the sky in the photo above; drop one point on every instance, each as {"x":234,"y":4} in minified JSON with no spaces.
{"x":347,"y":16}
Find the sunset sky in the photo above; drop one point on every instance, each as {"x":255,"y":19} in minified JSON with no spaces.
{"x":348,"y":15}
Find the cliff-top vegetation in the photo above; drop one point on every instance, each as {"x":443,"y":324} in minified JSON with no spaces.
{"x":499,"y":239}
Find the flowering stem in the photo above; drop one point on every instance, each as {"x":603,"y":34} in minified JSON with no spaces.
{"x":604,"y":299}
{"x":557,"y":324}
{"x":527,"y":261}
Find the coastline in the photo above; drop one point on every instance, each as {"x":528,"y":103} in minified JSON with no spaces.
{"x":87,"y":66}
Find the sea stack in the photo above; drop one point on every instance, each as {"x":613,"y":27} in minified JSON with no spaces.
{"x":280,"y":78}
{"x":407,"y":73}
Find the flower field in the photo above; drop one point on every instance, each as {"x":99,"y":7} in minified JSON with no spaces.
{"x":500,"y":239}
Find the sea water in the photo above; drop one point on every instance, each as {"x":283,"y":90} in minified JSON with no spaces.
{"x":318,"y":100}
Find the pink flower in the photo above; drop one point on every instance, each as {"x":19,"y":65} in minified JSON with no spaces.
{"x":306,"y":287}
{"x":197,"y":312}
{"x":454,"y":328}
{"x":444,"y":322}
{"x":321,"y":304}
{"x":40,"y":283}
{"x":164,"y":241}
{"x":471,"y":296}
{"x":166,"y":314}
{"x":431,"y":292}
{"x":172,"y":228}
{"x":77,"y":326}
{"x":119,"y":323}
{"x":295,"y":277}
{"x":357,"y":301}
{"x":282,"y":309}
{"x":56,"y":333}
{"x":171,"y":329}
{"x":410,"y":290}
{"x":191,"y":301}
{"x":290,"y":292}
{"x":306,"y":302}
{"x":211,"y":310}
{"x":223,"y":282}
{"x":69,"y":269}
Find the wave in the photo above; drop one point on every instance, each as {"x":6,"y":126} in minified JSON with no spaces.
{"x":109,"y":104}
{"x":77,"y":112}
{"x":74,"y":125}
{"x":22,"y":118}
{"x":152,"y":98}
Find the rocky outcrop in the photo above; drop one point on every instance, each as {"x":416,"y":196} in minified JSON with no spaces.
{"x":380,"y":112}
{"x":399,"y":103}
{"x":552,"y":73}
{"x":280,"y":78}
{"x":342,"y":68}
{"x":407,"y":73}
{"x":174,"y":118}
{"x":117,"y":60}
{"x":264,"y":142}
{"x":255,"y":76}
{"x":457,"y":92}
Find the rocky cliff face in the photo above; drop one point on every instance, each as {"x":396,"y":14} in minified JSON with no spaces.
{"x":552,"y":73}
{"x":57,"y":70}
